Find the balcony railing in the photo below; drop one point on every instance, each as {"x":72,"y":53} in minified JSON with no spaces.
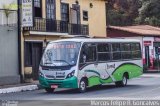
{"x":49,"y":25}
{"x":78,"y":29}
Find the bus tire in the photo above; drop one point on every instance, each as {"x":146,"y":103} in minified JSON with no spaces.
{"x":82,"y":86}
{"x":49,"y":90}
{"x":123,"y":82}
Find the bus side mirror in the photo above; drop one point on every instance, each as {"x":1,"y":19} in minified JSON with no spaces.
{"x":43,"y":49}
{"x":84,"y":58}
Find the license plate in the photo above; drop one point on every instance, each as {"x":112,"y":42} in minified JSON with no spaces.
{"x":54,"y":86}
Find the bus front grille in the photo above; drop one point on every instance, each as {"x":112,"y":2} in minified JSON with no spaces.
{"x":55,"y":83}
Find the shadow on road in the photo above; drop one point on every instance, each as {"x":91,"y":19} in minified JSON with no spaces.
{"x":97,"y":88}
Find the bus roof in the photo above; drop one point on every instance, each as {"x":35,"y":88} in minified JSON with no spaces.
{"x":96,"y":40}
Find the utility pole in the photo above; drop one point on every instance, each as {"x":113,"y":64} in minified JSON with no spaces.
{"x":19,"y":40}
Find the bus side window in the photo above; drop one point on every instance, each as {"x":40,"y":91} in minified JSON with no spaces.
{"x":88,"y":54}
{"x":116,"y":51}
{"x":103,"y":52}
{"x":126,"y":50}
{"x":91,"y":54}
{"x":136,"y":50}
{"x":83,"y":55}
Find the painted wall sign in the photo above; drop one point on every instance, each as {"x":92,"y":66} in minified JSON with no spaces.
{"x":147,"y":43}
{"x":157,"y":39}
{"x":27,"y":13}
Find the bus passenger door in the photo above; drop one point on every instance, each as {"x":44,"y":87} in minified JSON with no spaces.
{"x":88,"y":62}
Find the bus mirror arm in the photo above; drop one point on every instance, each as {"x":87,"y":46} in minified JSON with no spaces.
{"x":95,"y":63}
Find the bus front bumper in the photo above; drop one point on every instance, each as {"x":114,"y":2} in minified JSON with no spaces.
{"x":66,"y":83}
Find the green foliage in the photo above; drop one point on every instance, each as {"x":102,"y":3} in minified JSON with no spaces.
{"x":122,"y":12}
{"x":149,"y":13}
{"x":130,"y":12}
{"x":117,"y":18}
{"x":6,"y":10}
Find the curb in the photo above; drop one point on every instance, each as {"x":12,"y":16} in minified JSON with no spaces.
{"x":151,"y":75}
{"x":19,"y":89}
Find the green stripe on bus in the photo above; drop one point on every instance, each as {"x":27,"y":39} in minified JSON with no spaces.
{"x":133,"y":70}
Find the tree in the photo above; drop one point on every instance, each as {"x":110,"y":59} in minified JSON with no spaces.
{"x":8,"y":8}
{"x":149,"y":13}
{"x":122,"y":12}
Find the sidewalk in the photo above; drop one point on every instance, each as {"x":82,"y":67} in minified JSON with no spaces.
{"x":152,"y":71}
{"x":153,"y":75}
{"x":19,"y":87}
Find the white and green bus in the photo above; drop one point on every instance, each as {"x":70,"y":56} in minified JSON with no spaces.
{"x":85,"y":62}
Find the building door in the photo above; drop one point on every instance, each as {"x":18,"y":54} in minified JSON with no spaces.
{"x":75,"y":14}
{"x":36,"y":57}
{"x":147,"y":57}
{"x":75,"y":19}
{"x":33,"y":52}
{"x":38,"y":8}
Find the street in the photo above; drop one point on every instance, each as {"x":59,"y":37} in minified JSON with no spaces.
{"x":61,"y":44}
{"x":144,"y":87}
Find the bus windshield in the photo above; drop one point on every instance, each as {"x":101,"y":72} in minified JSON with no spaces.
{"x":61,"y":54}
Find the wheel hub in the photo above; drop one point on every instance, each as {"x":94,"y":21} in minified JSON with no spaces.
{"x":82,"y":85}
{"x":124,"y":80}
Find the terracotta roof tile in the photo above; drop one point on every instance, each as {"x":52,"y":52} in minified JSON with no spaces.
{"x":139,"y":29}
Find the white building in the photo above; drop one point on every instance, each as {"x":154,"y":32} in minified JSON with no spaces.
{"x":9,"y":62}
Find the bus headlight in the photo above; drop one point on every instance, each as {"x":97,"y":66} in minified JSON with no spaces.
{"x":41,"y":74}
{"x":71,"y":74}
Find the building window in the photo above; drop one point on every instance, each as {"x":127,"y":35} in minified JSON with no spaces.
{"x":103,"y":51}
{"x":76,"y":16}
{"x":85,"y":15}
{"x":37,"y":3}
{"x":50,"y":12}
{"x":28,"y":54}
{"x":65,"y":12}
{"x":38,"y":8}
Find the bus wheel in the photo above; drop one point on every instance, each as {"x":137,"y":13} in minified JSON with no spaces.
{"x":49,"y":90}
{"x":82,"y":86}
{"x":123,"y":82}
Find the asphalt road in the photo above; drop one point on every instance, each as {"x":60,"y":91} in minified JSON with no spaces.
{"x":142,"y":88}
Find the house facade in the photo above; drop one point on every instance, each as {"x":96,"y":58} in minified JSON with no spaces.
{"x":59,"y":19}
{"x":149,"y":37}
{"x":9,"y":59}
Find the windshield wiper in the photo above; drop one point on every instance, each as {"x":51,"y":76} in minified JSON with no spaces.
{"x":62,"y":61}
{"x":50,"y":63}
